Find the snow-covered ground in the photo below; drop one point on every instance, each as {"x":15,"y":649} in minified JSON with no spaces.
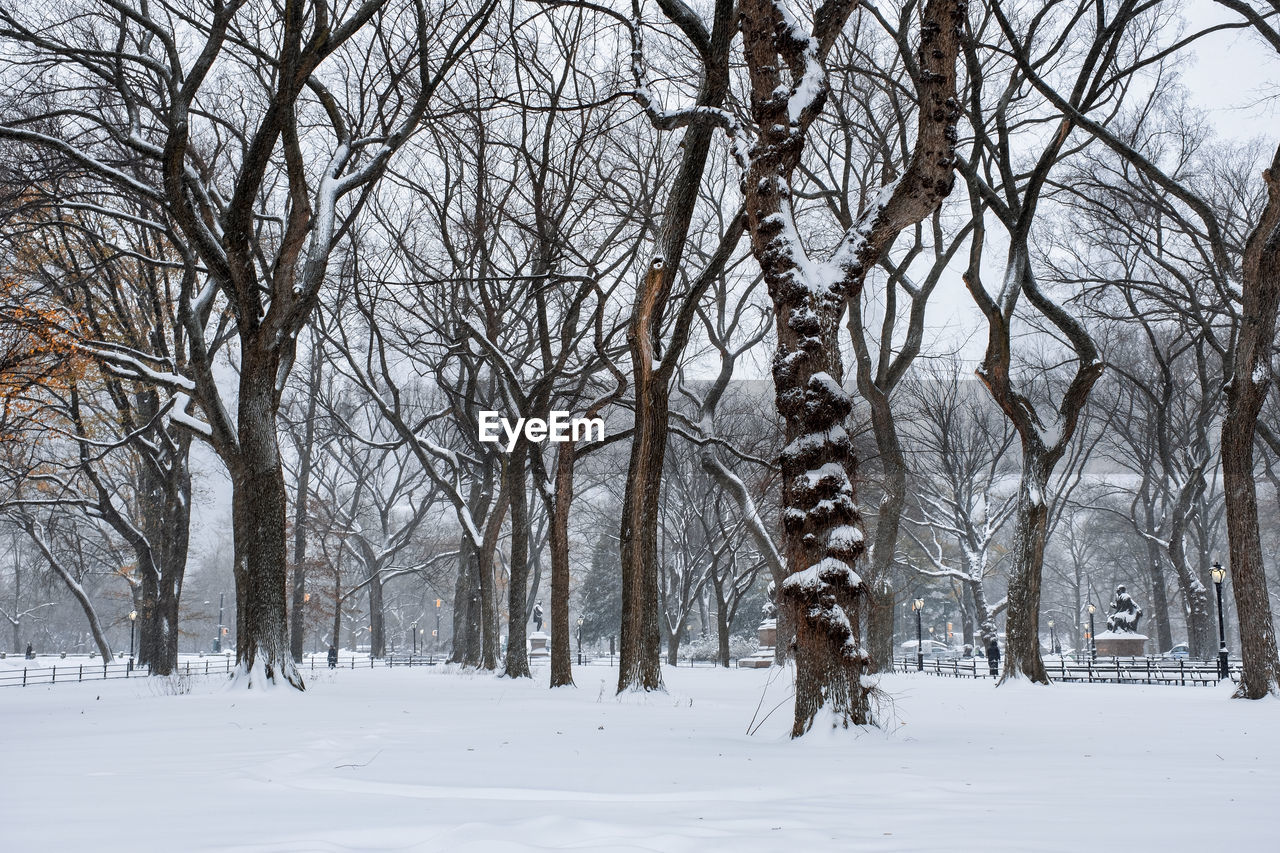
{"x":429,"y":759}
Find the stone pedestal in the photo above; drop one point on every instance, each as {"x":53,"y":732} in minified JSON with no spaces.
{"x":539,"y":646}
{"x":1121,"y":644}
{"x":763,"y":658}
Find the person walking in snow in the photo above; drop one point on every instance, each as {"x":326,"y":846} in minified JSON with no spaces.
{"x":993,"y":658}
{"x":333,"y":656}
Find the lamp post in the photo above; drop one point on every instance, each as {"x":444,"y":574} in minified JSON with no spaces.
{"x":1093,"y":644}
{"x":917,"y":606}
{"x":414,"y":628}
{"x":435,"y":637}
{"x":1053,"y":639}
{"x":133,"y":622}
{"x":217,"y":641}
{"x":1219,"y":575}
{"x":579,"y":641}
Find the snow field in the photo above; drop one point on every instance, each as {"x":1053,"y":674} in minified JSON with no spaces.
{"x":437,"y":760}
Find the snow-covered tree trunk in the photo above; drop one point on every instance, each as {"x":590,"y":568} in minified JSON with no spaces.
{"x":821,"y":523}
{"x":1246,"y":393}
{"x":984,"y":619}
{"x":1202,"y":634}
{"x":467,"y":627}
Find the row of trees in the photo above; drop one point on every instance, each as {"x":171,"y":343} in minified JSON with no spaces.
{"x":321,"y":238}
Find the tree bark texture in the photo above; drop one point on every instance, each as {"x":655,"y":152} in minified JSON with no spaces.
{"x":1030,"y":523}
{"x":821,"y":523}
{"x":639,"y":666}
{"x":1246,"y":393}
{"x":880,"y":598}
{"x":259,"y":502}
{"x":640,"y":641}
{"x":517,"y":661}
{"x":561,"y":652}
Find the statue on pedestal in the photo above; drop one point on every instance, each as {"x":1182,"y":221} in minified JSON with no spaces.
{"x":537,"y":616}
{"x":1125,"y":615}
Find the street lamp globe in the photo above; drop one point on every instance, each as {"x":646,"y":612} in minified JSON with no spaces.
{"x":918,"y":604}
{"x":133,"y":614}
{"x":1092,"y":608}
{"x":1219,"y":574}
{"x":1050,"y":621}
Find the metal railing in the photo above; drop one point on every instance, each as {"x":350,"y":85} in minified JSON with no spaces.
{"x":77,"y":671}
{"x":72,"y":670}
{"x":1135,"y":670}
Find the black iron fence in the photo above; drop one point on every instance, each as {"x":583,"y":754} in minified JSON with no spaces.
{"x":1102,"y":671}
{"x":1136,"y":670}
{"x":73,"y":670}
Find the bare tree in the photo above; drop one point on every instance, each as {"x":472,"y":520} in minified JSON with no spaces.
{"x":788,"y":88}
{"x":254,"y":206}
{"x":960,"y":502}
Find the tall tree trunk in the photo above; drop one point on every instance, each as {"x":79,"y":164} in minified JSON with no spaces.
{"x":1155,"y":570}
{"x":466,"y":595}
{"x":879,"y":599}
{"x":485,"y":565}
{"x":722,"y":622}
{"x":1246,"y":393}
{"x":561,"y":652}
{"x":970,"y":615}
{"x":517,"y":661}
{"x":306,"y":455}
{"x":336,"y":641}
{"x":173,"y":567}
{"x":639,"y":666}
{"x":1031,"y":516}
{"x":259,"y":503}
{"x":377,"y":614}
{"x":821,"y":523}
{"x":1201,"y":634}
{"x":146,"y":601}
{"x":673,"y":644}
{"x":986,"y":622}
{"x":16,"y":620}
{"x":166,"y":527}
{"x":465,"y":647}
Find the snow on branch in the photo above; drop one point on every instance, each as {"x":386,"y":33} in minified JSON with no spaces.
{"x":180,"y":416}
